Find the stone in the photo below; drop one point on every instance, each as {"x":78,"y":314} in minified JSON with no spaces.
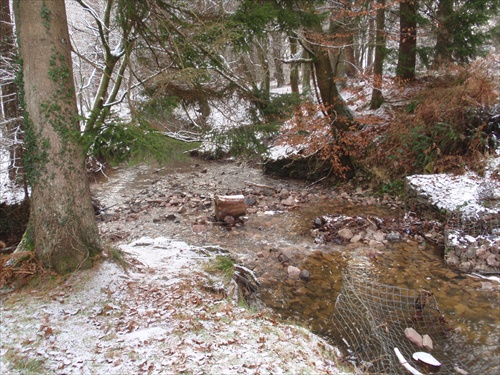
{"x":470,"y":253}
{"x":379,"y":236}
{"x":465,"y":266}
{"x":293,"y":272}
{"x":250,"y":201}
{"x":229,"y":220}
{"x":318,"y":222}
{"x":305,"y":275}
{"x":414,"y":337}
{"x":487,"y":286}
{"x":427,"y":342}
{"x":356,"y":238}
{"x":393,"y":237}
{"x":199,"y":228}
{"x":290,"y":201}
{"x":302,"y":291}
{"x":345,"y":234}
{"x":491,"y":261}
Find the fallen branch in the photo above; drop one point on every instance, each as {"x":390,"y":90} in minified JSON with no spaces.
{"x":247,"y":272}
{"x":259,"y":185}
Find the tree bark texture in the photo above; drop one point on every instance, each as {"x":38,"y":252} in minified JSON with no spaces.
{"x":324,"y":75}
{"x":443,"y":36}
{"x":62,"y":228}
{"x":294,"y":70}
{"x":407,"y":57}
{"x":377,"y":96}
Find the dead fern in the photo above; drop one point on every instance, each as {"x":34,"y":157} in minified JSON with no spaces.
{"x":17,"y":269}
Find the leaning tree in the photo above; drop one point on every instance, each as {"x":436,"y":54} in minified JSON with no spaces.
{"x":62,"y":229}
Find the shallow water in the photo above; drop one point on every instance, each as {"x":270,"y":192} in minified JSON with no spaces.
{"x":471,"y":306}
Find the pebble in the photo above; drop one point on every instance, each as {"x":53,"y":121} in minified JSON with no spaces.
{"x":393,"y":237}
{"x":305,"y":275}
{"x":293,"y":272}
{"x":345,"y":234}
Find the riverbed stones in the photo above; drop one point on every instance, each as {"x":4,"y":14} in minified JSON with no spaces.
{"x":414,"y":337}
{"x":472,"y":254}
{"x":293,"y":272}
{"x":290,"y":201}
{"x":356,"y":238}
{"x":345,"y":234}
{"x":427,"y":342}
{"x":379,"y":236}
{"x":393,"y":237}
{"x":305,"y":275}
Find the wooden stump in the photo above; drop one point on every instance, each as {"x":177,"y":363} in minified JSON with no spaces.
{"x":229,"y":205}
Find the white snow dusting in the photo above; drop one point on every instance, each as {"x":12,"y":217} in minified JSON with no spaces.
{"x":158,"y":318}
{"x":466,"y":193}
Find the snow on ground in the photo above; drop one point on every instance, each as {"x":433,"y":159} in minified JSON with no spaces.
{"x":158,"y":318}
{"x":467,"y":193}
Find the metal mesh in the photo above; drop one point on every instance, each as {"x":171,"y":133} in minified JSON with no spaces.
{"x":482,"y":224}
{"x":472,"y":243}
{"x":371,"y":319}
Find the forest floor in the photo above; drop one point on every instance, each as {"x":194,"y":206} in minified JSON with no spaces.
{"x":153,"y":304}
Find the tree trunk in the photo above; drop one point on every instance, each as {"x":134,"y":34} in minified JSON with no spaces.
{"x":8,"y":92}
{"x":377,"y":96}
{"x":443,"y":38}
{"x":350,"y":59}
{"x":407,"y":56}
{"x":294,"y":70}
{"x":62,"y":228}
{"x":371,"y":44}
{"x":328,"y":91}
{"x":277,"y":45}
{"x":306,"y":76}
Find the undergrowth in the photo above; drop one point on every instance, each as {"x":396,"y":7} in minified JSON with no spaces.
{"x":247,"y":142}
{"x":449,"y":125}
{"x":118,"y":142}
{"x":223,"y":265}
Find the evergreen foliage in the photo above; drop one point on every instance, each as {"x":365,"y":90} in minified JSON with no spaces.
{"x":135,"y":141}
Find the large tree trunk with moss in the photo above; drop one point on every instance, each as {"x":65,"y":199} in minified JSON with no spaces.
{"x":62,"y":227}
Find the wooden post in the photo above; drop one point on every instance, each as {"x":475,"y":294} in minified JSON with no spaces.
{"x":229,"y":205}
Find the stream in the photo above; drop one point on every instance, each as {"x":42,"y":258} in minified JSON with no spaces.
{"x":471,"y":305}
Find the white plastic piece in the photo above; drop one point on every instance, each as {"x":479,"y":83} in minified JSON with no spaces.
{"x":426,"y":358}
{"x":405,"y":364}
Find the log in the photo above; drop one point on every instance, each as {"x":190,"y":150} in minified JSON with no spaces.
{"x":229,"y":205}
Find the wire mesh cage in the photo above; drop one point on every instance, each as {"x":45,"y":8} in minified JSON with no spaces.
{"x":371,"y":319}
{"x":472,"y":242}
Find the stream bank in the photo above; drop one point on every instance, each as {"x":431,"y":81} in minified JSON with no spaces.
{"x":280,"y":233}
